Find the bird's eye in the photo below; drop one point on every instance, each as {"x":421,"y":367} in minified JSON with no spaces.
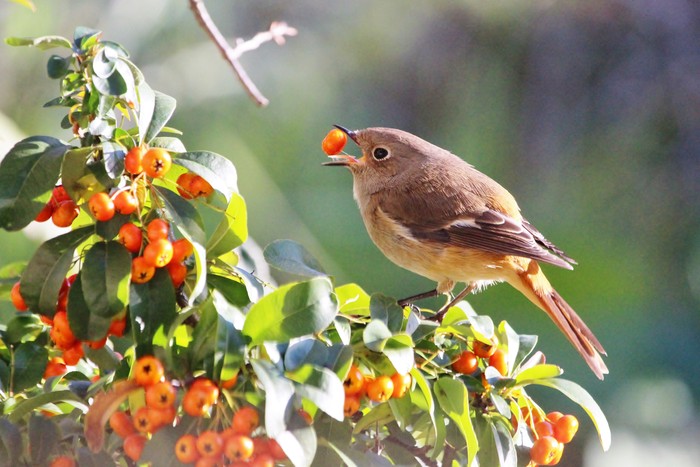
{"x":380,"y":153}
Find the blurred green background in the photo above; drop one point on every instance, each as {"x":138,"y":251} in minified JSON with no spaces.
{"x":588,"y":112}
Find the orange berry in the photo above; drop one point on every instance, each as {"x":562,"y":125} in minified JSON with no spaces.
{"x":334,"y":142}
{"x":184,"y":185}
{"x":380,"y":389}
{"x":156,"y":162}
{"x":147,"y":370}
{"x":45,"y":213}
{"x":144,"y":420}
{"x":133,"y":446}
{"x":351,"y":405}
{"x":59,"y":195}
{"x":101,"y":206}
{"x":199,"y":187}
{"x":262,"y":460}
{"x":498,"y":361}
{"x":544,"y":428}
{"x":65,"y":214}
{"x":484,"y":350}
{"x":186,"y":449}
{"x":125,"y":202}
{"x":182,"y":249}
{"x":210,"y":444}
{"x":245,"y":420}
{"x":160,"y":395}
{"x":239,"y":448}
{"x":401,"y":384}
{"x":196,"y":402}
{"x":141,"y":270}
{"x":565,"y":428}
{"x":157,"y":229}
{"x":117,"y":327}
{"x":554,"y":416}
{"x":17,"y":299}
{"x":133,"y":160}
{"x":158,"y":253}
{"x":544,"y":450}
{"x":62,"y":461}
{"x":354,"y":381}
{"x":276,"y":450}
{"x":466,"y":363}
{"x":122,"y":424}
{"x":131,"y":237}
{"x":55,"y":367}
{"x":229,"y":383}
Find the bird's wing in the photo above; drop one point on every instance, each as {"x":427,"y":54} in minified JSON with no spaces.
{"x":450,"y":215}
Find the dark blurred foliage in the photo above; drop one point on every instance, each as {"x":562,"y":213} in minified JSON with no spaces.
{"x":588,"y":112}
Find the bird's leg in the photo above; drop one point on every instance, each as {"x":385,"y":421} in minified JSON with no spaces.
{"x":409,"y":300}
{"x":439,"y":315}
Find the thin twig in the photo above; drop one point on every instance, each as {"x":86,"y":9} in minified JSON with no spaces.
{"x":277,"y":33}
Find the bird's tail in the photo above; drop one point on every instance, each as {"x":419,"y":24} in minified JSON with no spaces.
{"x":535,"y":286}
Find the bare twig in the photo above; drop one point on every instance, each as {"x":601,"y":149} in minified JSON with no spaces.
{"x":276,"y":33}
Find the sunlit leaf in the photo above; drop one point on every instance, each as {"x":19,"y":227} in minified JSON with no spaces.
{"x":386,"y":309}
{"x":163,"y":109}
{"x":543,"y":371}
{"x":41,"y":43}
{"x":452,"y":395}
{"x":293,"y":310}
{"x":352,"y":299}
{"x":279,"y":392}
{"x":322,"y":387}
{"x":232,"y":231}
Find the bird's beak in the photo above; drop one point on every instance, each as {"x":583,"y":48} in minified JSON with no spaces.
{"x":344,"y":159}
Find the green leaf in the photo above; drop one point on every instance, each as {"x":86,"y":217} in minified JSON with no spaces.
{"x":579,"y":395}
{"x":10,"y":442}
{"x":424,"y":399}
{"x":26,"y":3}
{"x":113,"y":155}
{"x":299,"y":443}
{"x":105,"y":275}
{"x":44,"y":436}
{"x":147,"y":102}
{"x":387,"y":310}
{"x":376,"y":335}
{"x":169,"y":143}
{"x":232,"y":231}
{"x":233,"y":291}
{"x":279,"y":392}
{"x":453,"y":397}
{"x":399,"y":351}
{"x":163,"y":109}
{"x":289,"y":256}
{"x":322,"y":387}
{"x":28,"y":173}
{"x":214,"y":168}
{"x":113,"y":85}
{"x":41,"y":43}
{"x":42,"y":279}
{"x":57,"y":66}
{"x":21,"y":327}
{"x":353,"y":300}
{"x":84,"y":37}
{"x":104,"y":63}
{"x":293,"y":310}
{"x":29,"y":365}
{"x":84,"y":324}
{"x":203,"y":346}
{"x":308,"y":351}
{"x":230,"y":343}
{"x":537,"y":372}
{"x":183,"y":215}
{"x":152,"y":307}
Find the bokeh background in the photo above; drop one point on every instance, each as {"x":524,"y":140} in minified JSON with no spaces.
{"x":588,"y":112}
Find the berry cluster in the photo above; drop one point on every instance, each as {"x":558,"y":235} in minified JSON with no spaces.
{"x":60,"y":332}
{"x":483,"y":355}
{"x":551,"y":432}
{"x":238,"y":442}
{"x":377,"y":389}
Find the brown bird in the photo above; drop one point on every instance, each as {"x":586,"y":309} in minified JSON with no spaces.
{"x":434,"y":214}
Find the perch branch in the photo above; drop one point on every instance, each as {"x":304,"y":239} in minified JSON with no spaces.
{"x":276,"y":33}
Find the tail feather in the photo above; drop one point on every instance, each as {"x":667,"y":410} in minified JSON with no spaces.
{"x":535,"y":286}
